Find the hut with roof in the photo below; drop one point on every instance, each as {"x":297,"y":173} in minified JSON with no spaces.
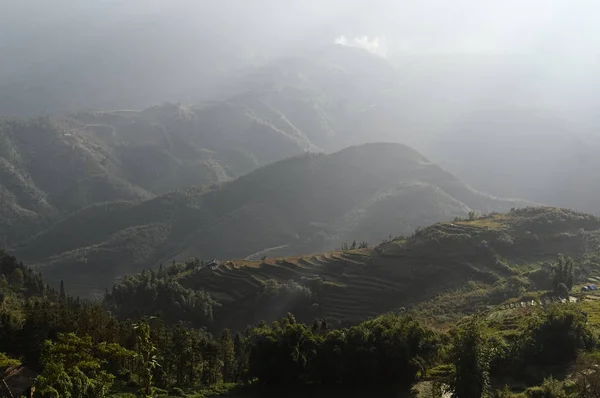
{"x":17,"y":381}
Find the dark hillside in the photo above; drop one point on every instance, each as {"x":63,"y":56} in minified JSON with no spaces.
{"x":499,"y":253}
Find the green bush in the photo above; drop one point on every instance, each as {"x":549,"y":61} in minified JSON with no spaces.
{"x":551,"y":388}
{"x":555,"y":335}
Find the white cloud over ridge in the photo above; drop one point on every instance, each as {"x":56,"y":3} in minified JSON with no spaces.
{"x":377,"y":45}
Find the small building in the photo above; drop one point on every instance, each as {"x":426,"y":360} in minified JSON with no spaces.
{"x":17,"y":381}
{"x":214,"y":264}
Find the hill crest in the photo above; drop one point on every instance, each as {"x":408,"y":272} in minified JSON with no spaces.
{"x":307,"y":203}
{"x":502,"y":254}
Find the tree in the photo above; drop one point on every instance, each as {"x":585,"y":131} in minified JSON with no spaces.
{"x":241,"y":356}
{"x":62,"y":297}
{"x":472,"y":363}
{"x":563,"y":274}
{"x":562,"y":290}
{"x":72,"y":369}
{"x":227,"y":353}
{"x":556,"y":335}
{"x":17,"y":278}
{"x":587,"y":375}
{"x":280,"y":354}
{"x":569,"y":280}
{"x":145,"y":355}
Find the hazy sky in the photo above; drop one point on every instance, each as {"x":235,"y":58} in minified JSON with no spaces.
{"x":163,"y":39}
{"x":399,"y":25}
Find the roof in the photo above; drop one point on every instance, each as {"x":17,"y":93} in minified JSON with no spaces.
{"x":18,"y":379}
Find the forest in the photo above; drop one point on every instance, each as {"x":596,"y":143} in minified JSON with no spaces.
{"x":81,"y":349}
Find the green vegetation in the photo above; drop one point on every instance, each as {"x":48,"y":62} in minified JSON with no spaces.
{"x":305,"y":204}
{"x":7,"y":362}
{"x":471,"y":359}
{"x":52,"y":167}
{"x":440,"y":274}
{"x":464,"y":327}
{"x":81,"y":350}
{"x":490,"y":305}
{"x":159,"y":294}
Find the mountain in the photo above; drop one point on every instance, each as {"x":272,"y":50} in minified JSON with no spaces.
{"x":51,"y":167}
{"x":440,"y":273}
{"x":307,"y":203}
{"x":466,"y":112}
{"x":54,"y":166}
{"x":54,"y":333}
{"x":484,"y":118}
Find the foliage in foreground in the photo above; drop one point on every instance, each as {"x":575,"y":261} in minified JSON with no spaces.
{"x":82,"y":350}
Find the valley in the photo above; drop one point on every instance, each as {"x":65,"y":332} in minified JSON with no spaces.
{"x":299,"y":198}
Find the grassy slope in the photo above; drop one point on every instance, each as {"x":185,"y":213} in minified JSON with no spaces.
{"x":307,"y":203}
{"x":442,"y":272}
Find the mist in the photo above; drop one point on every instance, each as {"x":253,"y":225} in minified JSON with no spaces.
{"x":143,"y":52}
{"x":450,"y":79}
{"x":411,"y":152}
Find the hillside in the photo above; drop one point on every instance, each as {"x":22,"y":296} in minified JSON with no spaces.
{"x":48,"y":333}
{"x":442,"y":272}
{"x":304,"y":204}
{"x":51,"y":167}
{"x":322,"y":99}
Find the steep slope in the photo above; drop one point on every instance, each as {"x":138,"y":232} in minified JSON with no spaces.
{"x":48,"y":168}
{"x":444,"y":269}
{"x":303,"y":204}
{"x":51,"y":167}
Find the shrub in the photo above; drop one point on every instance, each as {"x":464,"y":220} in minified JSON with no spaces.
{"x":551,"y":388}
{"x":556,"y":335}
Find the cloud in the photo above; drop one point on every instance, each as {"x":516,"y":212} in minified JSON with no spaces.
{"x":377,"y":45}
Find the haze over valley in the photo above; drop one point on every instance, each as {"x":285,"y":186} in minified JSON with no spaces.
{"x":393,"y":197}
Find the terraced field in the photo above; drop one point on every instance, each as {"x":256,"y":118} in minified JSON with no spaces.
{"x":428,"y":271}
{"x":329,"y":277}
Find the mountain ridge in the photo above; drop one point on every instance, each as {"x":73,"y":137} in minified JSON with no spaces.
{"x":439,"y":273}
{"x":309,"y":202}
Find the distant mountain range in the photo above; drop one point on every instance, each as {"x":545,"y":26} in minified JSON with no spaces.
{"x":52,"y":166}
{"x":303,"y":204}
{"x":469,"y":113}
{"x":94,"y":195}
